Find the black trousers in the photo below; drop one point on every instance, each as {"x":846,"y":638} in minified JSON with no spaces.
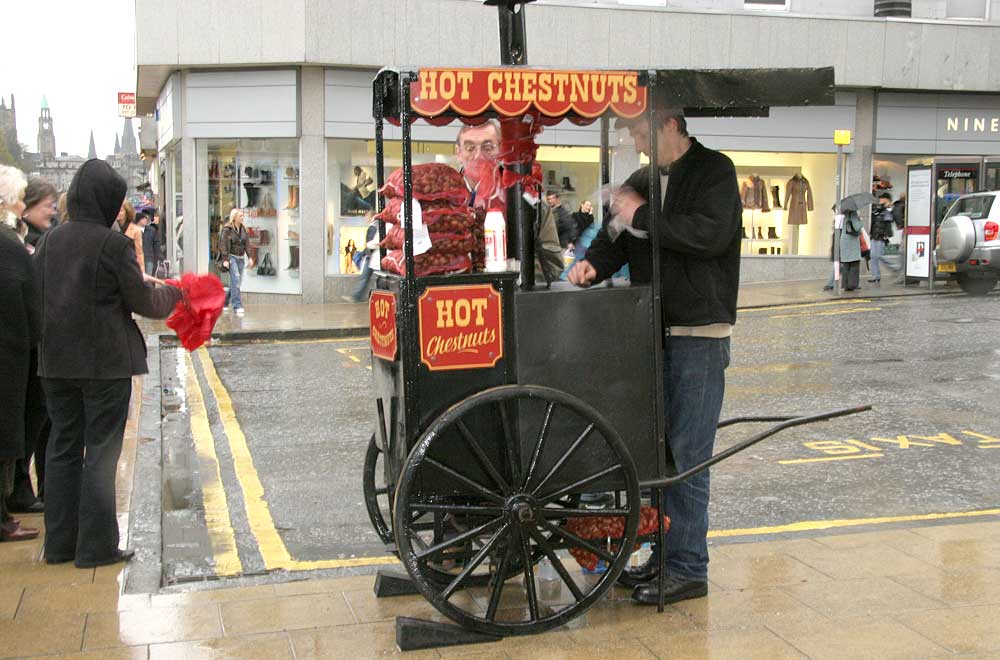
{"x":88,"y":424}
{"x":850,"y":275}
{"x":36,"y":437}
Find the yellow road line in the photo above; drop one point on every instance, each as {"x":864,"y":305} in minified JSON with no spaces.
{"x":852,"y":301}
{"x":220,"y":529}
{"x":812,"y":525}
{"x":828,"y":312}
{"x":849,"y":457}
{"x":272,"y":548}
{"x":346,"y":353}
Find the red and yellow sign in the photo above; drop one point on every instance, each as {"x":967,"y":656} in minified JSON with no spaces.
{"x":382,"y":329}
{"x":511,"y":92}
{"x":461,"y":327}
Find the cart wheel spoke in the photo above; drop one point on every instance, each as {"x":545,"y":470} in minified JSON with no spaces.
{"x":483,"y":458}
{"x":496,"y":585}
{"x":580,"y":485}
{"x":577,"y":541}
{"x":584,"y":513}
{"x":437,"y":548}
{"x":511,"y":443}
{"x":474,"y":562}
{"x":557,"y":564}
{"x":565,"y":457}
{"x":459,"y":509}
{"x":543,"y":434}
{"x":481,"y":489}
{"x":529,"y":576}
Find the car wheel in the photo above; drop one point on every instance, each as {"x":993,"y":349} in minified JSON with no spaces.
{"x":976,"y":286}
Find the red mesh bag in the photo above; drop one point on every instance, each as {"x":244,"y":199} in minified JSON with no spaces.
{"x":194,"y":316}
{"x":443,"y":243}
{"x":431,"y":181}
{"x":607,"y":527}
{"x":427,"y":264}
{"x":429,"y":209}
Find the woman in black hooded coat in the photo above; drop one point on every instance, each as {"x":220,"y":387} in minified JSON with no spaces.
{"x":90,"y":284}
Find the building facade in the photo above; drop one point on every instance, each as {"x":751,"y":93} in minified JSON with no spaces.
{"x":276,"y":121}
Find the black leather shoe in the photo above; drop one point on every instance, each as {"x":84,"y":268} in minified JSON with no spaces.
{"x":674,"y":590}
{"x":640,"y":575}
{"x":118,"y":557}
{"x":57,"y":559}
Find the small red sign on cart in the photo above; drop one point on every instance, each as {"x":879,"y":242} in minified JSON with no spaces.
{"x":461,"y":327}
{"x":382,"y":316}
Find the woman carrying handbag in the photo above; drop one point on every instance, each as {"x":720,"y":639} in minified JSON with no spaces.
{"x":234,"y":258}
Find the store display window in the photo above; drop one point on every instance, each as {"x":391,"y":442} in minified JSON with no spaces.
{"x":351,"y":193}
{"x":574,"y":172}
{"x":260,"y":176}
{"x":787,"y":201}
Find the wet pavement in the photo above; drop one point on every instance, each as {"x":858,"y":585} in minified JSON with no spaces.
{"x":303,"y":414}
{"x":876,"y":536}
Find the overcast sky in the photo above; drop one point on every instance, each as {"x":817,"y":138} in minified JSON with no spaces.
{"x":79,"y":54}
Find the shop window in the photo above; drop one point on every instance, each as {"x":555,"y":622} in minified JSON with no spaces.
{"x":786,"y":200}
{"x":351,"y":194}
{"x":261,"y":177}
{"x":967,"y":9}
{"x":574,"y":172}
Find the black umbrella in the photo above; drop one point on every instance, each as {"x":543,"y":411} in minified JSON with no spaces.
{"x":857,"y":201}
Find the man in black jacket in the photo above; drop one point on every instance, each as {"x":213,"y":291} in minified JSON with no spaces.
{"x":90,"y":284}
{"x":699,"y":236}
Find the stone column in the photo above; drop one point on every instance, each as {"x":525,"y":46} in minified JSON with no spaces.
{"x":312,"y":194}
{"x":859,"y":163}
{"x":196,"y":223}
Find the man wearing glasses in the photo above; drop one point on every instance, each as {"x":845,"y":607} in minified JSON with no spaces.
{"x":477,"y":149}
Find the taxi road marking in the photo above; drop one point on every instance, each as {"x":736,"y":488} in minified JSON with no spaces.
{"x":217,"y":520}
{"x":797,"y":461}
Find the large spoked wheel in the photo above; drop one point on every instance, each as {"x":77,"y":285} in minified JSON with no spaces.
{"x":378,"y":496}
{"x":502,"y":463}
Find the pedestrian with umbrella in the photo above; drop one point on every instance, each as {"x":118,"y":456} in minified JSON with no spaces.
{"x":850,"y":239}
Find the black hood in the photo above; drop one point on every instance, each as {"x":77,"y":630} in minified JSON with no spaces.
{"x":96,"y":194}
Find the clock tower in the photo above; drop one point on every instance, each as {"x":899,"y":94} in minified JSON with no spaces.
{"x":46,"y":135}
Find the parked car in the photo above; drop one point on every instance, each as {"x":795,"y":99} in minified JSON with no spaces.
{"x":968,"y":243}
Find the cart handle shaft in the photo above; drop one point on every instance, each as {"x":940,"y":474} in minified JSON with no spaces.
{"x":786,"y":423}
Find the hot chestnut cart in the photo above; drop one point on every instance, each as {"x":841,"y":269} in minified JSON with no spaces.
{"x":500,"y":403}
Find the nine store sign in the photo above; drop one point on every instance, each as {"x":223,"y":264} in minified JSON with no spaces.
{"x":461,"y":327}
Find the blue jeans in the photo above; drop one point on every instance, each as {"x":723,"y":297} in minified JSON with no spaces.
{"x":877,"y":250}
{"x":694,"y":381}
{"x":366,"y":274}
{"x":236,"y":266}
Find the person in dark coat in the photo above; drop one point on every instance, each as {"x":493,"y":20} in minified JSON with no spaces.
{"x":150,"y":241}
{"x":699,"y":241}
{"x":38,"y":216}
{"x":90,"y":284}
{"x":18,"y":333}
{"x":565,"y":224}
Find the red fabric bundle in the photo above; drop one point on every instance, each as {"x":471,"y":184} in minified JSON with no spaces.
{"x":605,"y":527}
{"x":195,"y":314}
